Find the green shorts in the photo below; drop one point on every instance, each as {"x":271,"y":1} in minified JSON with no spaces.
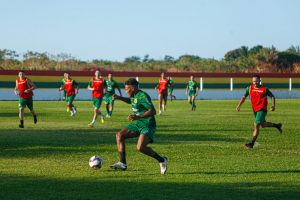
{"x":108,"y":99}
{"x":70,"y":98}
{"x":260,"y":116}
{"x":170,"y":90}
{"x":97,"y":102}
{"x":192,"y":93}
{"x":141,"y":128}
{"x":26,"y":102}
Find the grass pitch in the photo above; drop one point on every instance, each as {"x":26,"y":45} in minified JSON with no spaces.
{"x":205,"y":151}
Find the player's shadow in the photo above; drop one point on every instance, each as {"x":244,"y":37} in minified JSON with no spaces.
{"x":39,"y":143}
{"x":97,"y":186}
{"x":196,"y":137}
{"x":291,"y":171}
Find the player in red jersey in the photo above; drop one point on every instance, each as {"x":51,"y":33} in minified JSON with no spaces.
{"x":258,"y":96}
{"x":71,"y":88}
{"x":162,"y":89}
{"x":24,"y":88}
{"x":97,"y":85}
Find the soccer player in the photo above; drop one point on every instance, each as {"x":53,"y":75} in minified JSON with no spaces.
{"x":111,"y":86}
{"x":143,"y":127}
{"x":192,"y":89}
{"x":258,"y":96}
{"x":24,"y":88}
{"x":162,"y":89}
{"x":97,"y":85}
{"x":171,"y":88}
{"x":71,"y":88}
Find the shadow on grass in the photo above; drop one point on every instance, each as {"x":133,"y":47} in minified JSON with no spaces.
{"x":97,"y":187}
{"x":295,"y":171}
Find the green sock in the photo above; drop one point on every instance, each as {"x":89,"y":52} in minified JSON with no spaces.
{"x":193,"y":104}
{"x":110,"y":112}
{"x":190,"y":102}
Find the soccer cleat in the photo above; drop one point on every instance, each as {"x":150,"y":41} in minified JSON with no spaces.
{"x":102,"y":119}
{"x":279,"y":127}
{"x":159,"y":113}
{"x":108,"y":116}
{"x":119,"y":166}
{"x":91,"y":125}
{"x":21,"y":125}
{"x":249,"y":145}
{"x":163,"y":166}
{"x":35,"y":119}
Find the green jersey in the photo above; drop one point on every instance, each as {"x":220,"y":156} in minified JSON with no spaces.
{"x":111,"y":86}
{"x":140,"y":103}
{"x":171,"y":84}
{"x":192,"y":86}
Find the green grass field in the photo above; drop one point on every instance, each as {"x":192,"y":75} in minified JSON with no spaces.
{"x":205,"y":150}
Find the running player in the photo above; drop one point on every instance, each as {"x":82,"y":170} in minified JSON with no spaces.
{"x":24,"y":88}
{"x":71,"y":87}
{"x":111,"y":86}
{"x":171,"y":88}
{"x":97,"y":85}
{"x":143,"y":127}
{"x":192,"y":89}
{"x":258,"y":96}
{"x":162,"y":89}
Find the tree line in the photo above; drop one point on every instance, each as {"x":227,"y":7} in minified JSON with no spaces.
{"x":257,"y":59}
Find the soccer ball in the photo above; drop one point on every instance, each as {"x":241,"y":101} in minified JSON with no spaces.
{"x":95,"y":162}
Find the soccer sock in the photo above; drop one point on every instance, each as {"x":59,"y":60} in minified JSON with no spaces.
{"x":110,"y":112}
{"x":193,"y":104}
{"x":122,"y":157}
{"x":158,"y":157}
{"x":35,"y":119}
{"x":253,"y":139}
{"x":190,"y":102}
{"x":93,"y":122}
{"x":22,"y":122}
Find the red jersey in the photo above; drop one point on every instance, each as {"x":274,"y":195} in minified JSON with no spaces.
{"x":163,"y":86}
{"x":70,"y":87}
{"x":22,"y":86}
{"x":98,"y":85}
{"x":258,"y":97}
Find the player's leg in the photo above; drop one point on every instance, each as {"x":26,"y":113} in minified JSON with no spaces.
{"x":159,"y":103}
{"x":255,"y":134}
{"x":123,"y":134}
{"x":22,"y":106}
{"x":29,"y":104}
{"x":111,"y":107}
{"x":142,"y":145}
{"x":165,"y":98}
{"x":193,"y":103}
{"x":271,"y":124}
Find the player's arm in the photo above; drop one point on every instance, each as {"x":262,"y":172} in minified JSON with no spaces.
{"x":149,"y":112}
{"x":197,"y":90}
{"x":90,"y":86}
{"x":125,"y":99}
{"x":76,"y":87}
{"x":31,"y":86}
{"x":238,"y":108}
{"x":186,"y":90}
{"x":270,"y":94}
{"x":62,"y":86}
{"x":16,"y":89}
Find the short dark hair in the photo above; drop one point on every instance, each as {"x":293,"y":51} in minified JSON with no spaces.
{"x":132,"y":81}
{"x":97,"y":70}
{"x":256,"y":76}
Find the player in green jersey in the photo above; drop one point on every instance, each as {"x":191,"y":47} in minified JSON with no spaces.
{"x":111,"y":85}
{"x":171,"y":88}
{"x":192,"y":89}
{"x":143,"y":127}
{"x":97,"y":85}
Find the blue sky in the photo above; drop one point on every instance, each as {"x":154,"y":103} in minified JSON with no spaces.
{"x":116,"y":29}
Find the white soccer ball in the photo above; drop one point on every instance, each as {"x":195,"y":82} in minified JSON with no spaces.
{"x":95,"y":162}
